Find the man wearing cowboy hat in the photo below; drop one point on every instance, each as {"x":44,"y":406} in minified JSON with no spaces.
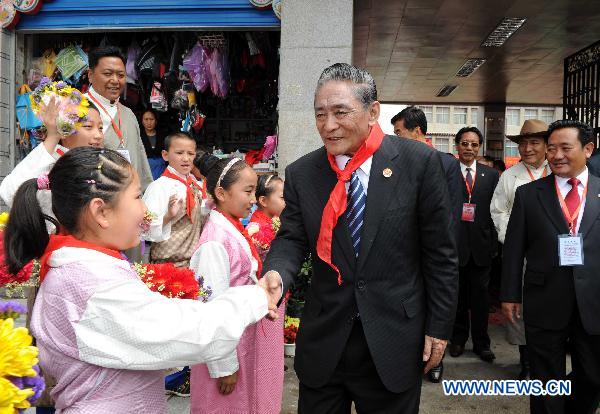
{"x":533,"y":165}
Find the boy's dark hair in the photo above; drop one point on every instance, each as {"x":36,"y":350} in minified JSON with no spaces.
{"x":102,"y":52}
{"x":585,"y":132}
{"x":464,"y":130}
{"x":176,"y":135}
{"x":265,"y":186}
{"x":413,"y":117}
{"x":79,"y":176}
{"x":211,"y":167}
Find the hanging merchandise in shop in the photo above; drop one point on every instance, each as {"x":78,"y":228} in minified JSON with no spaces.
{"x":220,"y":87}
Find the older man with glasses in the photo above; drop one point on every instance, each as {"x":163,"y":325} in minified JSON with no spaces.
{"x":476,"y":245}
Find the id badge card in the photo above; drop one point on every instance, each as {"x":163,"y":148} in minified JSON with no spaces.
{"x":570,"y":250}
{"x":468,"y":212}
{"x":125,"y":154}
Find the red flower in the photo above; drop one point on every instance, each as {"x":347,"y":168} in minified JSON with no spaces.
{"x":5,"y":276}
{"x":169,"y":280}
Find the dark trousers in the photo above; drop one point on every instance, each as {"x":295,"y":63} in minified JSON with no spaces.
{"x":355,"y":379}
{"x":473,"y":306}
{"x":547,"y":358}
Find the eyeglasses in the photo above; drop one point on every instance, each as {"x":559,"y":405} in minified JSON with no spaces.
{"x":466,"y":144}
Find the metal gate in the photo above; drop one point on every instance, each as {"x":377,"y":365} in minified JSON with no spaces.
{"x":581,"y":87}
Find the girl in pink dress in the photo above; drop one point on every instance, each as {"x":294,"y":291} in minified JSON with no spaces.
{"x":102,"y":334}
{"x":249,"y":379}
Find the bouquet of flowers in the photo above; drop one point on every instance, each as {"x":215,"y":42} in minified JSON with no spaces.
{"x":72,"y":105}
{"x":172,"y":281}
{"x":27,"y":276}
{"x":290,"y":329}
{"x":20,"y":380}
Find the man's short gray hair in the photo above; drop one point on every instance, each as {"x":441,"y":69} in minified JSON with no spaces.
{"x":364,"y":84}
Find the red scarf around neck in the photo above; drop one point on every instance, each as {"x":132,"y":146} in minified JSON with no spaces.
{"x":338,"y":199}
{"x":58,"y":241}
{"x":240,"y":227}
{"x":190,"y":198}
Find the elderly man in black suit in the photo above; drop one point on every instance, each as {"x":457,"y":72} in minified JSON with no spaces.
{"x":369,"y":208}
{"x":555,"y":226}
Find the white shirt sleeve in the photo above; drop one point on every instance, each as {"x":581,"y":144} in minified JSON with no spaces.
{"x":211,"y":262}
{"x":35,"y":163}
{"x":127,"y":326}
{"x":156,"y":199}
{"x":500,"y":207}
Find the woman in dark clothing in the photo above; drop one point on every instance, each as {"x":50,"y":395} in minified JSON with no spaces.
{"x":153,"y":143}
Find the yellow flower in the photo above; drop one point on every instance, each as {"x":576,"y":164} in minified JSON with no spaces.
{"x":84,"y":102}
{"x":81,"y":111}
{"x":11,"y":397}
{"x":3,"y":219}
{"x":17,"y":356}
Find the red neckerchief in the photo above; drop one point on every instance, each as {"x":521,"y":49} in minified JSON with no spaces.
{"x":190,"y":197}
{"x":428,"y":142}
{"x":240,"y":227}
{"x":58,"y":241}
{"x":338,"y":199}
{"x":204,"y":190}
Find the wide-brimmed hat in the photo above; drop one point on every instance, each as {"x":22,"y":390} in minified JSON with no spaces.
{"x":530,"y":128}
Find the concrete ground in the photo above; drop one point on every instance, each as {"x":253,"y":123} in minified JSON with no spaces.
{"x":433,"y":401}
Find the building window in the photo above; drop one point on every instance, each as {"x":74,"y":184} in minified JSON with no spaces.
{"x":442,"y":144}
{"x":442,"y":114}
{"x":511,"y":149}
{"x":512,"y":117}
{"x":428,"y":110}
{"x":474,"y":115}
{"x":460,"y":116}
{"x":531,"y":114}
{"x":548,"y":116}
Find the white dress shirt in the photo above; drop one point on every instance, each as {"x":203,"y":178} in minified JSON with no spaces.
{"x":565,"y":187}
{"x":111,"y":108}
{"x":364,"y":171}
{"x":473,"y":167}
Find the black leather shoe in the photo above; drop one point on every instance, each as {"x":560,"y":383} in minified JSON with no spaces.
{"x":435,"y":374}
{"x":456,"y":350}
{"x":485,"y":354}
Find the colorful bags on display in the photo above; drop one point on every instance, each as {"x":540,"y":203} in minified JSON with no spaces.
{"x":196,"y":64}
{"x":71,"y":60}
{"x":25,"y":115}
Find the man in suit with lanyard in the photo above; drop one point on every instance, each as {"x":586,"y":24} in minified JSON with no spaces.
{"x":554,"y":227}
{"x":411,"y":123}
{"x":121,"y":128}
{"x":368,"y":207}
{"x":476,"y":246}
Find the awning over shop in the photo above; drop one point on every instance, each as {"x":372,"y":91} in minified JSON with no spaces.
{"x":146,"y":14}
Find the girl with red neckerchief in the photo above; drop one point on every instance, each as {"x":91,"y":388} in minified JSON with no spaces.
{"x":264,"y":223}
{"x":250,"y":379}
{"x":98,"y":327}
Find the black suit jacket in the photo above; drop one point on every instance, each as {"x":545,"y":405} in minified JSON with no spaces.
{"x":405,"y":281}
{"x":478,"y":239}
{"x":550,"y":293}
{"x":455,"y":182}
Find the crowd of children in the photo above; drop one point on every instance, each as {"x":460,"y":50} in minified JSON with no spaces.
{"x":104,"y":337}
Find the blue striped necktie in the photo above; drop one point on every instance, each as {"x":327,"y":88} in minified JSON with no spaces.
{"x":357,"y":200}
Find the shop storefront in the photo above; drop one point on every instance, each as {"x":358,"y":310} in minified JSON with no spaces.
{"x":209,"y":67}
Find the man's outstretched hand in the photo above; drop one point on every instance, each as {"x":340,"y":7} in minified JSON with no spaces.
{"x":271,"y":283}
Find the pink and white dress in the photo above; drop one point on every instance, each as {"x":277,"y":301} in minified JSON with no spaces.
{"x":105,"y":337}
{"x":224,"y":260}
